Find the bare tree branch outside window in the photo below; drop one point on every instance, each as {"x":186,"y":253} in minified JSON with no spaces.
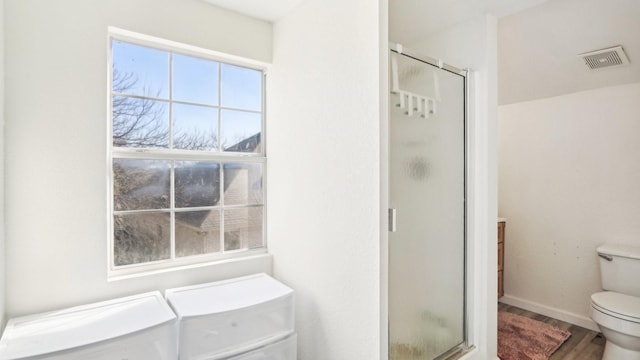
{"x":137,"y":122}
{"x":142,"y":122}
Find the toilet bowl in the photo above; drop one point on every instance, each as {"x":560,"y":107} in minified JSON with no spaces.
{"x":618,"y":317}
{"x":617,"y":311}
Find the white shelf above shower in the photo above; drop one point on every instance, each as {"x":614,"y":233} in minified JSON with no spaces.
{"x":414,"y":102}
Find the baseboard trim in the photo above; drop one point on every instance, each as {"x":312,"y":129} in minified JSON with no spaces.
{"x":565,"y":316}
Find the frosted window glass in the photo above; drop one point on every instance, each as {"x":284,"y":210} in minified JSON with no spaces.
{"x":427,"y":189}
{"x":140,"y":238}
{"x":141,"y":184}
{"x":197,"y":232}
{"x":197,"y":183}
{"x":243,"y":228}
{"x":243,"y":183}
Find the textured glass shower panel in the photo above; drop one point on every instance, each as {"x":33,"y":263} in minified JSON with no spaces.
{"x":427,"y":251}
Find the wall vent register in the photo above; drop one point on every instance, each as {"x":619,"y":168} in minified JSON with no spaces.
{"x":605,"y":58}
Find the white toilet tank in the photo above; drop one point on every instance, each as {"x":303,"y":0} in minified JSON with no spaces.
{"x":140,"y":327}
{"x":620,"y":268}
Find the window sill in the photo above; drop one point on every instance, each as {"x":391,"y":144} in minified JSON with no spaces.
{"x":226,"y":265}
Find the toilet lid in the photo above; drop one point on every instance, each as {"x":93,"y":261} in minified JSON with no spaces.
{"x":619,"y":305}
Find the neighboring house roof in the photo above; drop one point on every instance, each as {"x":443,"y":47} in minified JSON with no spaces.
{"x":206,"y":220}
{"x":250,"y":144}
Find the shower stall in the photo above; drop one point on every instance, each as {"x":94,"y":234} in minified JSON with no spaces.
{"x":427,"y":215}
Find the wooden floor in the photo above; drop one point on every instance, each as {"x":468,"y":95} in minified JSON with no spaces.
{"x":583,"y":344}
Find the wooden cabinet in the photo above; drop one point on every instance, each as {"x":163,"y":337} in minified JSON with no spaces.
{"x":501,"y":226}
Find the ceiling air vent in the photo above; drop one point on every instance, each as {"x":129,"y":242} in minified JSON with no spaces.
{"x":605,"y":58}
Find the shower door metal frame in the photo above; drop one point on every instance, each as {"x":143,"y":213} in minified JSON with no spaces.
{"x":463,"y":347}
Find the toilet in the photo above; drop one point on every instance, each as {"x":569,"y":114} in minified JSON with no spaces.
{"x":617,"y":309}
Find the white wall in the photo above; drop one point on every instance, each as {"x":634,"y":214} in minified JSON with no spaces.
{"x":568,"y":175}
{"x":384,"y":89}
{"x":324,"y":174}
{"x":472,"y":44}
{"x":2,"y":142}
{"x":56,"y":122}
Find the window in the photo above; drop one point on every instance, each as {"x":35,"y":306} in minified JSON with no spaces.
{"x":187,"y":156}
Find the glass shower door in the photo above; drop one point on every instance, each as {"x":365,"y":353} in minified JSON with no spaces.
{"x":427,"y":193}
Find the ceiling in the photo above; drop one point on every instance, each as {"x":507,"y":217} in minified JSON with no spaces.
{"x":538,"y":48}
{"x":538,"y":40}
{"x":269,"y":10}
{"x":411,"y":20}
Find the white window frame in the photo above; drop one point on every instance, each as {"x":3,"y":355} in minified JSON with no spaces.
{"x":175,"y":263}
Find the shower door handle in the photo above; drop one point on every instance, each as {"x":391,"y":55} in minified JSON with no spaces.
{"x":392,"y":220}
